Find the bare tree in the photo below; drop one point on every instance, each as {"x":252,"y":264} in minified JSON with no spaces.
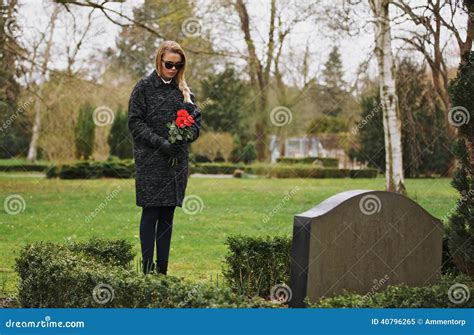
{"x":394,"y":180}
{"x":39,"y":54}
{"x":436,"y":17}
{"x":259,"y":69}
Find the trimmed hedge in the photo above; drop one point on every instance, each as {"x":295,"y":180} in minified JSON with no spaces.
{"x":253,"y":265}
{"x":126,"y":169}
{"x":284,"y":171}
{"x":325,"y":161}
{"x":300,"y":171}
{"x":216,"y":168}
{"x":24,"y":167}
{"x":403,"y":296}
{"x":92,"y":170}
{"x":57,"y":276}
{"x":113,"y":252}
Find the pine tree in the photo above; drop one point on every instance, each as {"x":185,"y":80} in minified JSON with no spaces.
{"x":460,"y":229}
{"x":85,"y":132}
{"x":120,"y":139}
{"x":334,"y":87}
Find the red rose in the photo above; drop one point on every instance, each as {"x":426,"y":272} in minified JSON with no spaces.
{"x":180,"y":122}
{"x":183,"y":113}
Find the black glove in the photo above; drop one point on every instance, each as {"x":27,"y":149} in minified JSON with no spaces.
{"x":179,"y":146}
{"x":170,"y":149}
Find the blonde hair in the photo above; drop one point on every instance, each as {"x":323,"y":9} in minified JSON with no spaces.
{"x":172,"y":46}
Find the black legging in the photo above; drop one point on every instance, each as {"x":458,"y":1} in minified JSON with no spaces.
{"x":161,"y":232}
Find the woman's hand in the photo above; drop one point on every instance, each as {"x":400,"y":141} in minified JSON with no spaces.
{"x":170,"y":149}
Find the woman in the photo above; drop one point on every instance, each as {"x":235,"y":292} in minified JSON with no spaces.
{"x":160,"y":187}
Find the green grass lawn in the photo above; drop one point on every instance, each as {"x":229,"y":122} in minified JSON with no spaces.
{"x":56,"y":210}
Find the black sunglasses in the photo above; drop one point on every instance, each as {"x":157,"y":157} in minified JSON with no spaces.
{"x":169,"y":65}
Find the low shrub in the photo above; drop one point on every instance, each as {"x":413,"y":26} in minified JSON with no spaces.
{"x":113,"y":252}
{"x":90,"y":170}
{"x":253,"y":265}
{"x":57,"y":276}
{"x":443,"y":294}
{"x":24,"y":167}
{"x":325,"y":161}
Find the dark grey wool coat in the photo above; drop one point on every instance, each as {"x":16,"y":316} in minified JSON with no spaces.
{"x":152,"y":105}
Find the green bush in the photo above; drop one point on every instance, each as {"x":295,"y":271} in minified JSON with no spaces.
{"x":283,"y":171}
{"x":403,"y":296}
{"x":301,"y":171}
{"x":326,"y":162}
{"x":56,"y":276}
{"x":89,"y":169}
{"x":253,"y":265}
{"x":114,"y":252}
{"x":461,"y":222}
{"x":216,"y":168}
{"x":120,"y":140}
{"x":249,"y":152}
{"x":81,"y":170}
{"x":23,"y":167}
{"x":84,"y":132}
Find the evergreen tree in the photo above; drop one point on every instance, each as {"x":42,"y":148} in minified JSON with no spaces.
{"x":85,"y":132}
{"x":225,"y":109}
{"x":334,"y":87}
{"x":461,"y":224}
{"x":15,"y":128}
{"x":120,"y":139}
{"x":426,"y":149}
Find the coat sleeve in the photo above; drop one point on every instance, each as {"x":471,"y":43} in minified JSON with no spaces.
{"x":140,"y":131}
{"x":196,"y":112}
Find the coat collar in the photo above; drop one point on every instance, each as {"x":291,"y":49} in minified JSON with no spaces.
{"x":157,"y":81}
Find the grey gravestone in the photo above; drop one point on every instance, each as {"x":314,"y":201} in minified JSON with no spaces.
{"x":362,"y":241}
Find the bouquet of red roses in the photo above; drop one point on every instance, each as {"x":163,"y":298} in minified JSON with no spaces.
{"x":180,"y":129}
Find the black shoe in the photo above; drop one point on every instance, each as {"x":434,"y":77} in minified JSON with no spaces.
{"x":162,"y":267}
{"x":148,"y":266}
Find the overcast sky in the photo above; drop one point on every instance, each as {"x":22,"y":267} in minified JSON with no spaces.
{"x":33,"y":17}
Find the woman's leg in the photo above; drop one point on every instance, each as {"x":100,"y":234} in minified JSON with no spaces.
{"x":147,"y":236}
{"x":163,"y":237}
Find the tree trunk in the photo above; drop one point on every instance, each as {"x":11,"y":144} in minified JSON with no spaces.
{"x":33,"y":149}
{"x":391,"y":113}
